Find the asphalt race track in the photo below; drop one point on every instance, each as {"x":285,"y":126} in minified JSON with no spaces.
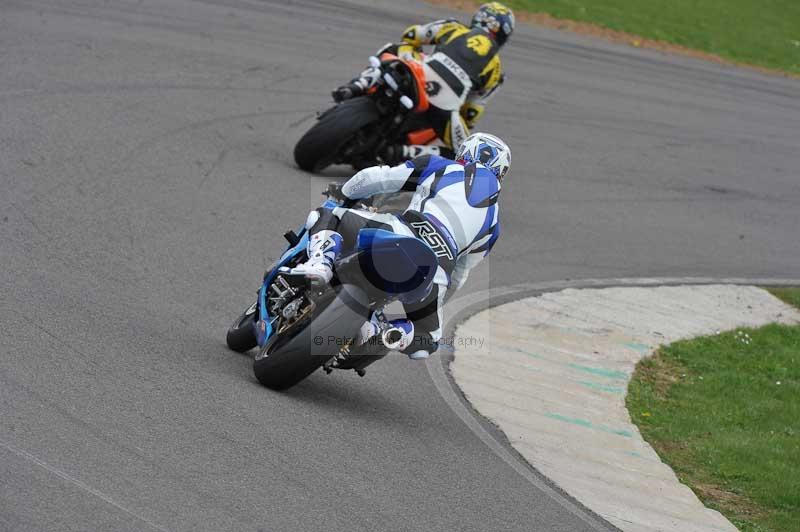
{"x":147,"y":176}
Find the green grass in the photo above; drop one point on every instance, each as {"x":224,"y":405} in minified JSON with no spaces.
{"x":789,"y":295}
{"x":724,"y":412}
{"x":759,"y":32}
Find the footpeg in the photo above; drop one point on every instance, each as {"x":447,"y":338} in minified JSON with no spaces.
{"x":291,"y":237}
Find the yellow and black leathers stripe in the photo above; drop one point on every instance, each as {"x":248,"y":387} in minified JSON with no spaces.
{"x":472,"y":48}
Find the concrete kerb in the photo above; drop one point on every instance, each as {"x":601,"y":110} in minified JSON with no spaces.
{"x":460,"y":309}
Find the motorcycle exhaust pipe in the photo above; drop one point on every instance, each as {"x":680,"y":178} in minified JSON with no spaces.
{"x":399,"y":336}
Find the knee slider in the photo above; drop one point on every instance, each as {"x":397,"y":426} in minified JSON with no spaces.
{"x":313,"y":217}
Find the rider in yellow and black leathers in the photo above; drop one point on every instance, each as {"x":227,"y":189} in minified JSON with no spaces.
{"x":463,"y":72}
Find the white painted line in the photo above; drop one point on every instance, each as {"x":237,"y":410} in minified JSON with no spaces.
{"x":105,"y":498}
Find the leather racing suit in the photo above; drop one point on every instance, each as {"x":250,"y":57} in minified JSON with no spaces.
{"x":454,"y":210}
{"x":462,"y":73}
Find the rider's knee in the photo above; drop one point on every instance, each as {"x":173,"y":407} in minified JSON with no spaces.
{"x":313,"y":218}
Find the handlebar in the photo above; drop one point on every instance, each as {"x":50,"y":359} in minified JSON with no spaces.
{"x":334,"y":191}
{"x":349,"y":203}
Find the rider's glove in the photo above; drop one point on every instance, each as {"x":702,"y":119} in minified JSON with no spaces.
{"x":334,"y":192}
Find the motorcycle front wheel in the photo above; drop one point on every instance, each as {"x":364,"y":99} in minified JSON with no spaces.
{"x":241,"y":336}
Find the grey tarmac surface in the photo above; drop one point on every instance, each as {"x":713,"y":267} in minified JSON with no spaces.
{"x":147,"y":176}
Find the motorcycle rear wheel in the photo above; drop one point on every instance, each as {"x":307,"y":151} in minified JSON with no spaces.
{"x":282,"y":363}
{"x":321,"y":146}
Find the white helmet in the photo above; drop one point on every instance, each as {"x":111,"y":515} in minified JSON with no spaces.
{"x":488,"y":150}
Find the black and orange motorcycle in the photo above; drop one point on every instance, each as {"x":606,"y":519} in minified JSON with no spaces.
{"x":356,"y":131}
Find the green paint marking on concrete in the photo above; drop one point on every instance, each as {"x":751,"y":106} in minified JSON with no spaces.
{"x":618,"y":432}
{"x":602,"y":387}
{"x":526,"y":353}
{"x":588,"y":424}
{"x":633,"y":453}
{"x":642,"y":348}
{"x":609,"y":373}
{"x":575,"y":421}
{"x":602,"y":372}
{"x":522,"y":351}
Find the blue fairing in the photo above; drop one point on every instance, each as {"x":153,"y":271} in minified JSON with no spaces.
{"x":394,"y":263}
{"x":264,"y":330}
{"x":397,"y":264}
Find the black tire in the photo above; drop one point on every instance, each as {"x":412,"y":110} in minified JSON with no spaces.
{"x":241,"y":336}
{"x":283,"y":363}
{"x":321,"y":145}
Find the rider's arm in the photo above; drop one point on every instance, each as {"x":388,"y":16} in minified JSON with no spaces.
{"x":386,"y":179}
{"x":491,"y":77}
{"x":475,"y":105}
{"x":472,"y":256}
{"x":431,"y":33}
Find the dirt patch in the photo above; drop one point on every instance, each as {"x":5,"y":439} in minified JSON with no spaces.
{"x":735,"y":504}
{"x":729,"y":502}
{"x":660,"y":373}
{"x":615,"y":36}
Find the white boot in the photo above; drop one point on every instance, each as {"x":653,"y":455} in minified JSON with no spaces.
{"x":369,"y":330}
{"x":411,"y":151}
{"x":419,"y":355}
{"x":323,"y":248}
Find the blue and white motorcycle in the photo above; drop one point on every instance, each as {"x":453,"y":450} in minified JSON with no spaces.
{"x":299,"y":328}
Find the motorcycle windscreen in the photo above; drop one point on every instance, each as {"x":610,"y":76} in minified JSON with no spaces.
{"x":396,"y":264}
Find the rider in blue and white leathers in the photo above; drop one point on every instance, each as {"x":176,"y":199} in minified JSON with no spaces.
{"x":454,"y":210}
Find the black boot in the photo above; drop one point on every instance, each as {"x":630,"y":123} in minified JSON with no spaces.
{"x":398,"y":153}
{"x":393,"y":154}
